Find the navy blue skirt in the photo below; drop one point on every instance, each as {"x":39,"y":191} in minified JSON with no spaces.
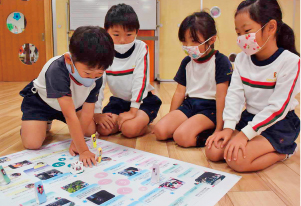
{"x":193,"y":106}
{"x":281,"y":135}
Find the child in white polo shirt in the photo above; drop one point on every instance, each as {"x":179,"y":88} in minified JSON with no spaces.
{"x":266,"y":80}
{"x":132,"y":106}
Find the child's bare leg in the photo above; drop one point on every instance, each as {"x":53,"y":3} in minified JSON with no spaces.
{"x":91,"y":128}
{"x":185,"y":134}
{"x":260,"y":154}
{"x":166,"y":127}
{"x":137,"y":126}
{"x":106,"y":132}
{"x":216,"y":154}
{"x":33,"y":133}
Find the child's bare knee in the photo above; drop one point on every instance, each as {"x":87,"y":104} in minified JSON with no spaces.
{"x":182,"y":139}
{"x":213,"y":154}
{"x":185,"y":143}
{"x":104,"y":132}
{"x":160,"y":133}
{"x":130,"y":132}
{"x":239,"y":166}
{"x":32,"y":145}
{"x":90,"y":131}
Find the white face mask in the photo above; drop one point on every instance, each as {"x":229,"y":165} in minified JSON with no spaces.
{"x":193,"y":51}
{"x":248,"y":43}
{"x":122,"y":48}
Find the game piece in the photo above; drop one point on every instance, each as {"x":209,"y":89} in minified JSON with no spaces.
{"x":4,"y":176}
{"x":93,"y":141}
{"x":155,"y":173}
{"x":40,"y":192}
{"x":99,"y":154}
{"x":77,"y":167}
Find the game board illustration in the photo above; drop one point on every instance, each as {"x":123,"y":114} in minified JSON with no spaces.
{"x":123,"y":177}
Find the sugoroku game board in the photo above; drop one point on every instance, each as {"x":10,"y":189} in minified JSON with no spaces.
{"x":122,"y":178}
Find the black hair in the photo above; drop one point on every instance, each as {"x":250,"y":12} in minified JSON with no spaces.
{"x":200,"y":22}
{"x":123,"y":15}
{"x":262,"y":11}
{"x":92,"y":46}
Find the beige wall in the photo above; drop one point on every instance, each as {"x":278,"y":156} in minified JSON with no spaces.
{"x":287,"y":7}
{"x":172,"y":12}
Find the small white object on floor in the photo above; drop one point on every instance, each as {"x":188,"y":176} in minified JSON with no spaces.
{"x":155,"y":173}
{"x":40,"y":192}
{"x":77,"y":167}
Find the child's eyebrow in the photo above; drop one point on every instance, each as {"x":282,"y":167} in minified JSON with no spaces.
{"x":243,"y":26}
{"x":247,"y":24}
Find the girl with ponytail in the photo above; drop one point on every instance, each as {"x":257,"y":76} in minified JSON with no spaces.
{"x":266,"y":81}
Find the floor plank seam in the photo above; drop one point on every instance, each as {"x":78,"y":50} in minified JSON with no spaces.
{"x":273,"y":188}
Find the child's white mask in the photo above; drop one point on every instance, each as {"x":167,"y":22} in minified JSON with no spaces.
{"x":123,"y":48}
{"x":193,"y":51}
{"x":248,"y":43}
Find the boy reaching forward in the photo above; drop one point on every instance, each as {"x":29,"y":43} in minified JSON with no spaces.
{"x":67,"y":89}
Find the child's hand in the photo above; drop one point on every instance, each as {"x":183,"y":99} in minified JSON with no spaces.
{"x":124,"y":117}
{"x":87,"y":158}
{"x":72,"y":149}
{"x":224,"y":135}
{"x":239,"y":141}
{"x":105,"y":120}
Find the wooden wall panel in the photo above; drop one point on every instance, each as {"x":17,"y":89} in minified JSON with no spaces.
{"x":12,"y":68}
{"x":151,"y":47}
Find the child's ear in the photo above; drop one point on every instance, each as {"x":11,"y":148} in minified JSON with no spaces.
{"x":272,"y":27}
{"x":68,"y":61}
{"x":212,"y":40}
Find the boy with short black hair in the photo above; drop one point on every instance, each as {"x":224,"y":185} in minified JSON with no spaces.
{"x":132,"y":106}
{"x":67,"y":89}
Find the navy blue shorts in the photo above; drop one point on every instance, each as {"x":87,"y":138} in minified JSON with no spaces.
{"x":34,"y":108}
{"x":281,"y":135}
{"x":151,"y":105}
{"x":193,"y":106}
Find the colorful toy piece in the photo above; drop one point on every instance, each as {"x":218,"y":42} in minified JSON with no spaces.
{"x":93,"y":141}
{"x":40,"y":192}
{"x":99,"y":154}
{"x":77,"y":167}
{"x":4,"y":175}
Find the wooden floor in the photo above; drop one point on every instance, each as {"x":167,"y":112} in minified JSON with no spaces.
{"x":277,"y":185}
